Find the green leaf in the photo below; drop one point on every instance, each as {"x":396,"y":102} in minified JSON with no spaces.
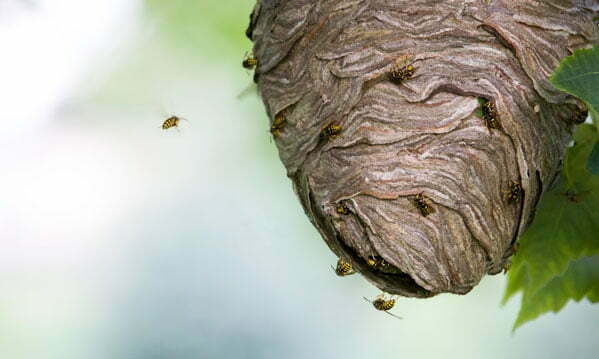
{"x":578,"y":75}
{"x":593,"y":163}
{"x":594,"y":116}
{"x":565,"y":229}
{"x":580,"y":280}
{"x":558,"y":258}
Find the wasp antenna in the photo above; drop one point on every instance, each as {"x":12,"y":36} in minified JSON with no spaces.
{"x":163,"y":111}
{"x":393,"y":315}
{"x":248,"y":91}
{"x":333,"y":268}
{"x":368,"y":300}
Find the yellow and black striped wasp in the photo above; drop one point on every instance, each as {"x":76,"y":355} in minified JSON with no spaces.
{"x":343,"y":268}
{"x":384,"y":305}
{"x":249,"y":62}
{"x":278,"y":124}
{"x":376,"y":262}
{"x":172,"y":121}
{"x":330,"y":131}
{"x":420,"y":203}
{"x":490,"y":115}
{"x":401,"y":70}
{"x":342,"y":209}
{"x":514,"y":193}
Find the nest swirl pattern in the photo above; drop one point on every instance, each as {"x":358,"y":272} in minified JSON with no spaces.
{"x":360,"y":147}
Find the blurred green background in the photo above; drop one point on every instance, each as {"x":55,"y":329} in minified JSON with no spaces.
{"x":120,"y":240}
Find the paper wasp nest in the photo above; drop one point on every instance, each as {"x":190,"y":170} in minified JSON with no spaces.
{"x":361,"y":142}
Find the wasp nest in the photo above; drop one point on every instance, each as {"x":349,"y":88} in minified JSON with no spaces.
{"x":420,"y":133}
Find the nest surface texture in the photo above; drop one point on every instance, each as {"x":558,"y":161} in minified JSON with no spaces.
{"x":419,"y":135}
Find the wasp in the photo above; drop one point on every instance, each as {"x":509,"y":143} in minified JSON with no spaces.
{"x":514,"y":193}
{"x":490,"y":115}
{"x":376,"y":262}
{"x":420,"y":203}
{"x":399,"y":73}
{"x":249,"y":62}
{"x":278,"y":124}
{"x":343,"y":209}
{"x":330,"y":131}
{"x":580,"y":116}
{"x":382,"y":304}
{"x":172,"y":121}
{"x":343,"y":268}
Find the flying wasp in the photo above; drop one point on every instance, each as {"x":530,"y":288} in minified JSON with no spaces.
{"x":249,"y":62}
{"x":343,"y":268}
{"x":330,"y":131}
{"x":514,"y":193}
{"x":172,"y":121}
{"x":382,"y":304}
{"x":490,"y":115}
{"x":420,"y":203}
{"x":278,"y":124}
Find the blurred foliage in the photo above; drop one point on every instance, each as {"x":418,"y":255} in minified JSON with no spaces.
{"x":559,"y":255}
{"x":183,"y":43}
{"x":205,"y":24}
{"x":593,"y":164}
{"x":555,"y":261}
{"x":578,"y":75}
